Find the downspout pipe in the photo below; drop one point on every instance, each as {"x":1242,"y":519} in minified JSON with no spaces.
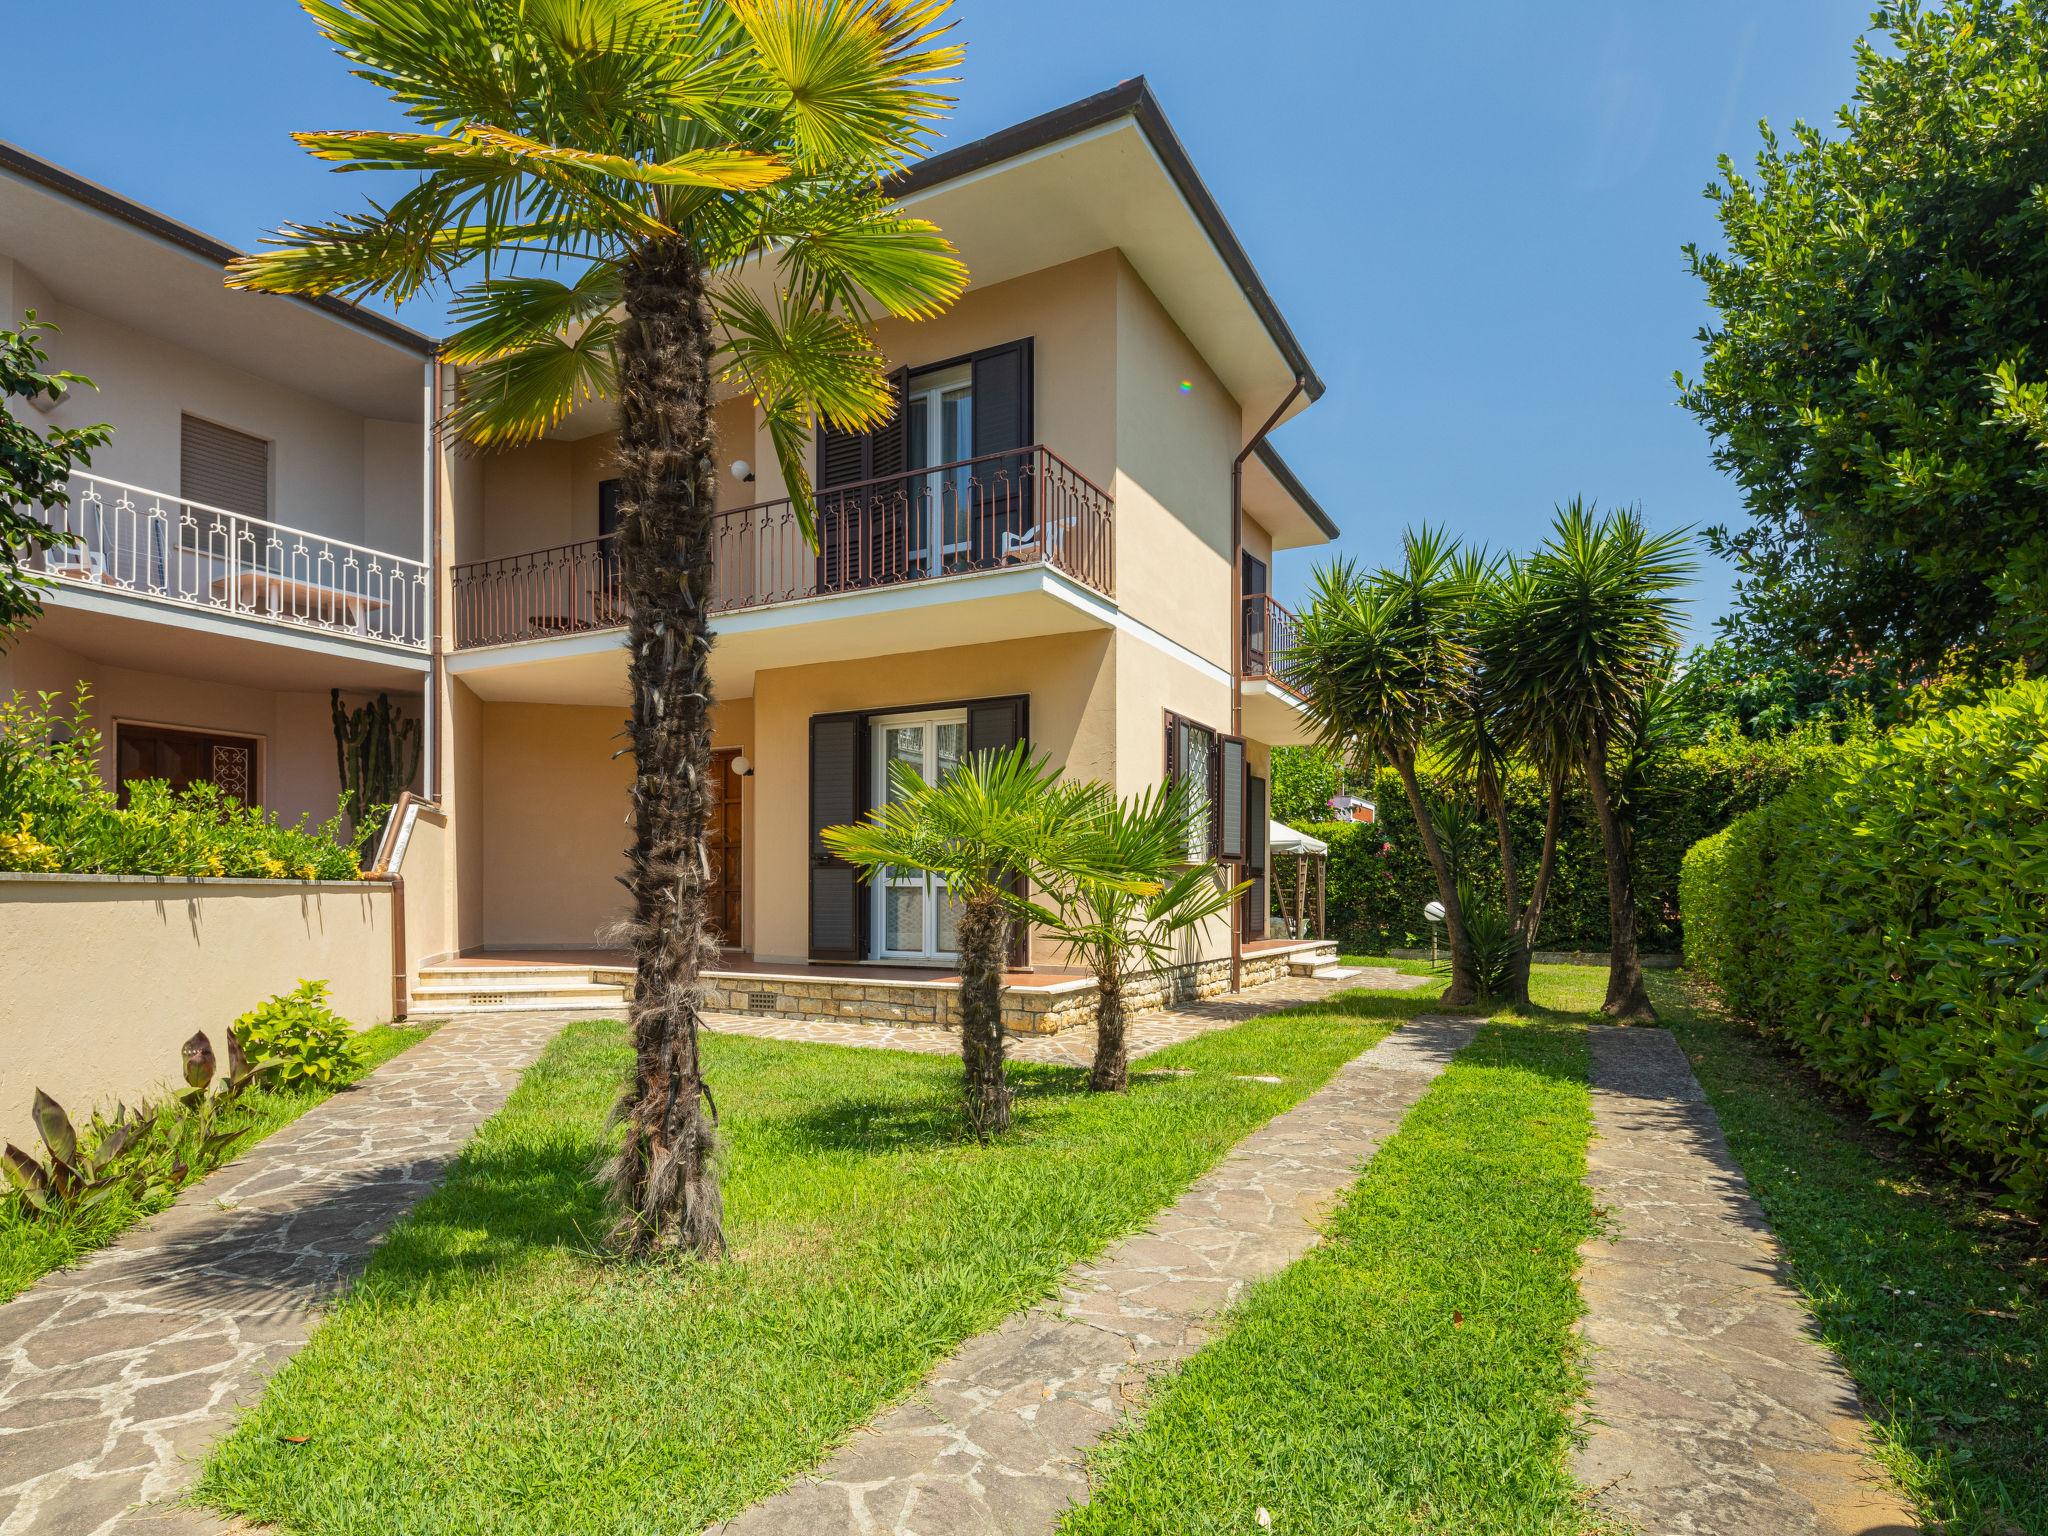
{"x":1237,"y":628}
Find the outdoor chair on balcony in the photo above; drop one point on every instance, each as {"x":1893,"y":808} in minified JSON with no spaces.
{"x":1047,"y":541}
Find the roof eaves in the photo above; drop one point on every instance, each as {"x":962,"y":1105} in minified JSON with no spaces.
{"x":1269,"y":456}
{"x":91,"y":194}
{"x":1133,"y":99}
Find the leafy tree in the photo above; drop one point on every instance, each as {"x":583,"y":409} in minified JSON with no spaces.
{"x":997,"y":814}
{"x":34,"y":467}
{"x":1582,"y":657}
{"x":1384,"y":658}
{"x":1874,"y":381}
{"x":672,"y":160}
{"x":1114,"y":925}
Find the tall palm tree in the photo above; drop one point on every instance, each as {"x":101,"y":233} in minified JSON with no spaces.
{"x":993,"y":817}
{"x":1384,"y":658}
{"x":668,"y":162}
{"x":1111,"y":925}
{"x":1588,"y":644}
{"x":1487,"y":732}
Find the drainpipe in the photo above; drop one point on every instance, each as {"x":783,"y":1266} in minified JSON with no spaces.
{"x":1237,"y":629}
{"x":430,"y":778}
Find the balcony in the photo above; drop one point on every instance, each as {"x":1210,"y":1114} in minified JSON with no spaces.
{"x":1272,"y":692}
{"x":161,"y":548}
{"x":1009,"y":511}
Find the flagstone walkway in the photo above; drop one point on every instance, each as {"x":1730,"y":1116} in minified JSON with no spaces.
{"x":1718,"y":1411}
{"x":114,"y":1375}
{"x":992,"y":1445}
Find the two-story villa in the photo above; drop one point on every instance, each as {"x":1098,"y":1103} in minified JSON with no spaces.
{"x":1064,"y":535}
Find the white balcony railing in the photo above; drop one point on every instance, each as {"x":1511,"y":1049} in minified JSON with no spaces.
{"x":155,"y":545}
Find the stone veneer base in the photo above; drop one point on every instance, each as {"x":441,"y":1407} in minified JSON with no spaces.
{"x":1041,"y":1010}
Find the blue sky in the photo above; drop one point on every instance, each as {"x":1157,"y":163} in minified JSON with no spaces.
{"x":1470,"y":211}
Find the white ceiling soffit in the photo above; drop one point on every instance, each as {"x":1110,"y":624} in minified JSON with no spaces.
{"x":1282,"y":504}
{"x":96,"y":250}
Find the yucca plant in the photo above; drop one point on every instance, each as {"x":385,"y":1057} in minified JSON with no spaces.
{"x":1114,"y":925}
{"x":1591,"y":636}
{"x":993,"y":818}
{"x":631,"y":198}
{"x":1382,"y":658}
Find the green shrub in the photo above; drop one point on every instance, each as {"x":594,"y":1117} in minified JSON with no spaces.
{"x":57,"y":814}
{"x":1375,"y":898}
{"x":302,"y":1038}
{"x":1889,"y":918}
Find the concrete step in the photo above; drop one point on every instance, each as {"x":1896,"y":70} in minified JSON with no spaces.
{"x":508,"y":989}
{"x":1312,"y":962}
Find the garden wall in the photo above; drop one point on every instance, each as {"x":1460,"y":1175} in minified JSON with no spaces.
{"x":103,"y":977}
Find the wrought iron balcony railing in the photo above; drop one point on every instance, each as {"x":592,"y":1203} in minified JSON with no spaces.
{"x":1023,"y":507}
{"x":1269,"y":642}
{"x":151,"y":544}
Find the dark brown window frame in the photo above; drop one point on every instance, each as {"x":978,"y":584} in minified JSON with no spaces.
{"x":259,"y":746}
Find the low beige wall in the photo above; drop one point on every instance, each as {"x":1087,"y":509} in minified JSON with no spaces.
{"x":103,"y":977}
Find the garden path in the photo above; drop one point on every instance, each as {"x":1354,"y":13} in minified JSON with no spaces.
{"x":992,"y":1444}
{"x":1717,"y":1410}
{"x":116,"y":1375}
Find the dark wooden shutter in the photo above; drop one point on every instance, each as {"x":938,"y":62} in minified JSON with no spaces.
{"x":996,"y":725}
{"x":1231,"y":830}
{"x":862,"y":535}
{"x":224,"y":468}
{"x":838,"y":909}
{"x":1004,"y":501}
{"x":1255,"y":900}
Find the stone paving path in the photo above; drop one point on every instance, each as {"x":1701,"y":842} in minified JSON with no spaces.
{"x":1718,"y":1411}
{"x":1075,"y":1047}
{"x":116,"y":1374}
{"x":992,"y":1444}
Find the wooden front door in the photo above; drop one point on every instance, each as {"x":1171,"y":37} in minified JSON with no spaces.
{"x":722,"y":845}
{"x":182,"y":758}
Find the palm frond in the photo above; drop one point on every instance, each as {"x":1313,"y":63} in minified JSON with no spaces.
{"x":502,"y":314}
{"x":844,"y":256}
{"x":519,"y":395}
{"x":854,"y":79}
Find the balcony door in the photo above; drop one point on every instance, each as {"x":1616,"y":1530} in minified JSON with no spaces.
{"x":941,"y":432}
{"x":914,"y":917}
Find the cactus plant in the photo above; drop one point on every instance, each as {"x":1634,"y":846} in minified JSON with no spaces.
{"x":377,"y":752}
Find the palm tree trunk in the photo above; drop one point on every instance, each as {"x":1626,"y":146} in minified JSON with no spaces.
{"x":663,"y":1177}
{"x":1627,"y":998}
{"x":984,"y":939}
{"x":1464,"y":987}
{"x":1112,"y":1072}
{"x":1530,"y":921}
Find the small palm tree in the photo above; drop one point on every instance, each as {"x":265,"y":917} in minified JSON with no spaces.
{"x":1385,"y":659}
{"x":1111,"y":925}
{"x":1590,"y":641}
{"x":668,"y":161}
{"x":974,"y":830}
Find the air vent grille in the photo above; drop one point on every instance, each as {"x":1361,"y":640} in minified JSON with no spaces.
{"x":761,"y":1002}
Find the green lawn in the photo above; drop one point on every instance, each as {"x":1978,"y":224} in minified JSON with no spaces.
{"x":31,"y":1249}
{"x":1935,"y":1301}
{"x":1419,"y":1371}
{"x":495,"y":1371}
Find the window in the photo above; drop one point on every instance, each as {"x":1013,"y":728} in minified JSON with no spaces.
{"x":1191,"y":757}
{"x":940,"y":428}
{"x":223,"y":468}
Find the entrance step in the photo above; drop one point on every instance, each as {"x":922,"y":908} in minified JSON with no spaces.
{"x":1316,"y":963}
{"x":447,"y":991}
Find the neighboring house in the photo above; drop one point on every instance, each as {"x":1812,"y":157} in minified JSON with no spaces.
{"x":1044,"y":544}
{"x":255,"y":533}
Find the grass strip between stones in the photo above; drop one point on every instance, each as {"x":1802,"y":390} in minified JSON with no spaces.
{"x":1419,"y":1371}
{"x":495,"y":1370}
{"x":31,"y":1249}
{"x":1935,"y":1301}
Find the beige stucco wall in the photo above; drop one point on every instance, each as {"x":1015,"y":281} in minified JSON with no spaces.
{"x":102,"y":979}
{"x":545,"y":826}
{"x":296,"y":730}
{"x":332,"y":472}
{"x":1072,"y":684}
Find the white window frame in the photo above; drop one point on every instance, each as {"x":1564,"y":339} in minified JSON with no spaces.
{"x":931,"y":391}
{"x":935,"y":889}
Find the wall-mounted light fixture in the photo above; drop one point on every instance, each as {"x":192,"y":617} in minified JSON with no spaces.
{"x":743,"y":471}
{"x":742,"y":767}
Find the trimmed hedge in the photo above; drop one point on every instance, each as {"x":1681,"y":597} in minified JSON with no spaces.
{"x":1889,"y":919}
{"x":1376,"y":898}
